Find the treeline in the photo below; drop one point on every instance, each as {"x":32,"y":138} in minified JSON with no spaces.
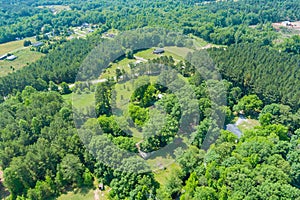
{"x":258,"y":166}
{"x":272,"y":75}
{"x":60,"y":65}
{"x":219,"y":22}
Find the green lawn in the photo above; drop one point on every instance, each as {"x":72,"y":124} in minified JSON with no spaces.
{"x":10,"y":47}
{"x":147,"y":54}
{"x":198,"y":42}
{"x":162,"y":175}
{"x":24,"y":57}
{"x":123,"y":64}
{"x":82,"y":194}
{"x":249,"y":124}
{"x":178,"y":52}
{"x":80,"y":101}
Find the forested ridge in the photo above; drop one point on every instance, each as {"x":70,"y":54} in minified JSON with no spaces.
{"x":49,"y":147}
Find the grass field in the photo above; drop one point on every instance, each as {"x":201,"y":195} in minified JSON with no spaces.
{"x":82,"y":194}
{"x":178,"y":53}
{"x":80,"y":101}
{"x":111,"y":71}
{"x":10,"y":47}
{"x":56,"y":8}
{"x":162,"y":175}
{"x":147,"y":54}
{"x":198,"y":42}
{"x":249,"y":124}
{"x":25,"y":57}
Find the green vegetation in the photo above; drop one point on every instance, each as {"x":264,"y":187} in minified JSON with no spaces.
{"x":78,"y":195}
{"x":80,"y":101}
{"x":24,"y":58}
{"x":118,"y":117}
{"x":13,"y":46}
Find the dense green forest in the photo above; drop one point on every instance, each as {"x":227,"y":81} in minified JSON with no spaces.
{"x":217,"y":22}
{"x":49,"y":147}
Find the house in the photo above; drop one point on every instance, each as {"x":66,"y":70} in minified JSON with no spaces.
{"x":3,"y":57}
{"x":287,"y":23}
{"x":158,"y":51}
{"x":11,"y":58}
{"x":38,"y":44}
{"x":85,"y":25}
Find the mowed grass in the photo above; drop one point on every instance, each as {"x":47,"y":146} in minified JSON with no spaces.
{"x":198,"y":42}
{"x":10,"y":47}
{"x":56,"y":8}
{"x":249,"y":124}
{"x":82,"y":194}
{"x":147,"y":54}
{"x":178,"y":53}
{"x":24,"y":58}
{"x":80,"y":101}
{"x":162,"y":175}
{"x":122,"y":64}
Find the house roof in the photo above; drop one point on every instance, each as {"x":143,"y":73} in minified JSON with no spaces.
{"x":3,"y":57}
{"x":37,"y":44}
{"x":159,"y":51}
{"x":12,"y":57}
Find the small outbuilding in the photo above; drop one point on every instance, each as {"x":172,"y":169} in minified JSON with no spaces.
{"x":11,"y":58}
{"x":85,"y":25}
{"x":3,"y":57}
{"x":38,"y":44}
{"x":158,"y":51}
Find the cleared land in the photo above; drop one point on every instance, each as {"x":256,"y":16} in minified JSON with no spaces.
{"x":80,"y":101}
{"x":10,"y":47}
{"x":24,"y":58}
{"x":163,"y":175}
{"x":248,"y":124}
{"x":56,"y":8}
{"x":82,"y":194}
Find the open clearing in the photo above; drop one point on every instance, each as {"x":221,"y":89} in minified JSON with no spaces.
{"x":24,"y":58}
{"x":82,"y":194}
{"x":162,"y":175}
{"x":248,"y":124}
{"x":80,"y":101}
{"x":10,"y":47}
{"x":56,"y":8}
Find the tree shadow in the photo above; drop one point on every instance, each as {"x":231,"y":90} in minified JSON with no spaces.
{"x":4,"y":193}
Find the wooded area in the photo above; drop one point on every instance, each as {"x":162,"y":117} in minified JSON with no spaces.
{"x":49,"y":147}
